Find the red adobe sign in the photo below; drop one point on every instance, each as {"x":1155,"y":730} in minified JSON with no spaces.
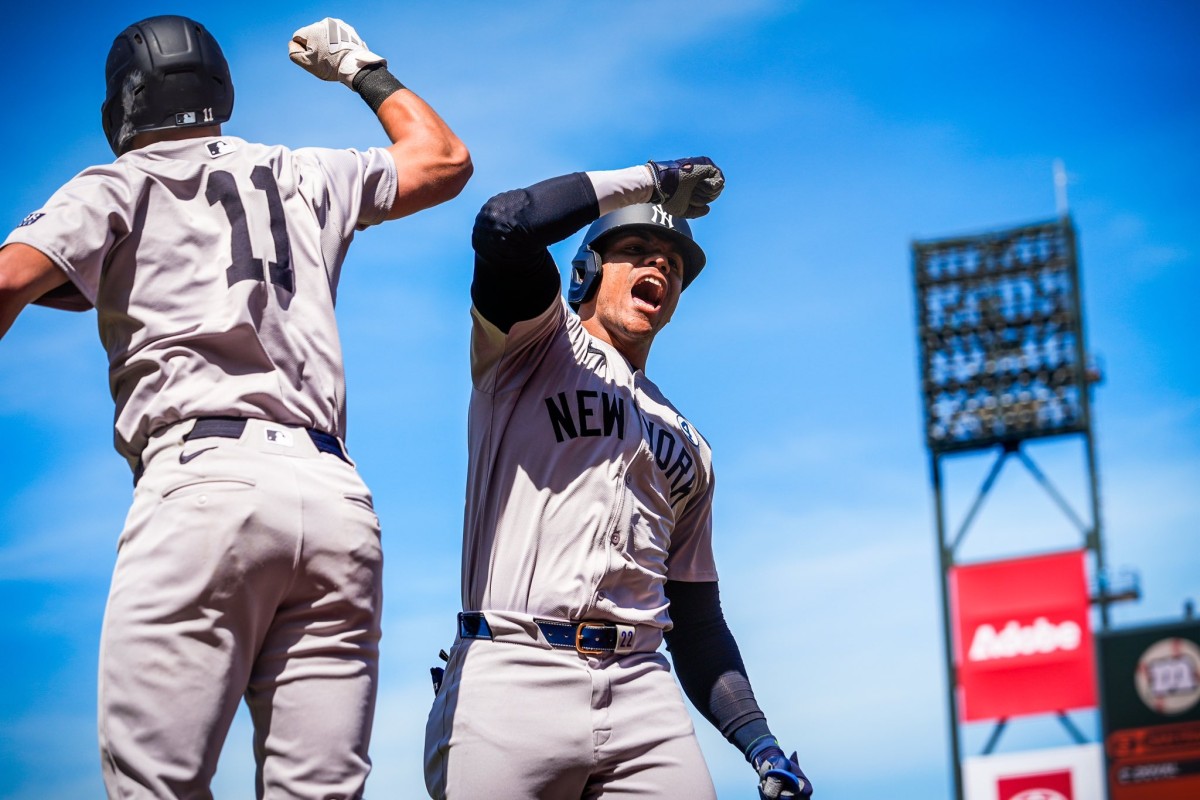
{"x":1023,"y":641}
{"x":1046,"y":786}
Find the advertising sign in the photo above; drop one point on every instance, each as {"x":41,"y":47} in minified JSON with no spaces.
{"x":1150,"y":680}
{"x":1061,"y":773}
{"x":1023,"y":640}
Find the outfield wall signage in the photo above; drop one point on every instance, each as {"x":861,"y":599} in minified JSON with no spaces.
{"x":1150,"y":680}
{"x":1060,"y":773}
{"x":1023,"y":641}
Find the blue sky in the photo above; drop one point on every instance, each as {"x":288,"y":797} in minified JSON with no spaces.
{"x":846,"y":131}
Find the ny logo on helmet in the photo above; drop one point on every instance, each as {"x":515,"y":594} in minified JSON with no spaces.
{"x":663,"y":218}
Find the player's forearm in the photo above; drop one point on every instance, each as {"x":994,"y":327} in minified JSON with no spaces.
{"x":8,"y":313}
{"x":617,"y":188}
{"x":432,"y":163}
{"x":25,"y":275}
{"x":708,"y":662}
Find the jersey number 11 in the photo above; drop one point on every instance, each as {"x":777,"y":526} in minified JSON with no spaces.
{"x":222,"y":188}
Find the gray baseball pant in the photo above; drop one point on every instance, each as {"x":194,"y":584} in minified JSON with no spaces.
{"x":248,"y":568}
{"x":526,"y":722}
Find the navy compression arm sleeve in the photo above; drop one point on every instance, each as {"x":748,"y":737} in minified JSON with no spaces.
{"x":515,"y":276}
{"x":709,"y":664}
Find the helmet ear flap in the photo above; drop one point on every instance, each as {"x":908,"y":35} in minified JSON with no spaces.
{"x":585,"y":267}
{"x":585,"y":277}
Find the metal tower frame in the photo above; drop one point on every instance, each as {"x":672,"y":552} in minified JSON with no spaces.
{"x":1003,"y":361}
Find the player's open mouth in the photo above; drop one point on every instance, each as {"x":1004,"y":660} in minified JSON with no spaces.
{"x":650,"y":291}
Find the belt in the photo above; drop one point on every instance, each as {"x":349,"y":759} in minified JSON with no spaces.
{"x":588,"y":638}
{"x":232,"y":428}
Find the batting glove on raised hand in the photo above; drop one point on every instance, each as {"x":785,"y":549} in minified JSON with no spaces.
{"x":684,"y":188}
{"x":778,"y":776}
{"x":332,"y":50}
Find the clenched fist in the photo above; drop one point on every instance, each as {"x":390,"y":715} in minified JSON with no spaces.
{"x":332,"y":50}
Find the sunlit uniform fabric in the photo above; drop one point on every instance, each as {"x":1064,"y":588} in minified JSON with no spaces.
{"x":586,"y":488}
{"x":213,"y":266}
{"x":587,"y":491}
{"x":250,"y":563}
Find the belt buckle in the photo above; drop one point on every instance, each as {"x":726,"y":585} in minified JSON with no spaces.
{"x":587,"y":651}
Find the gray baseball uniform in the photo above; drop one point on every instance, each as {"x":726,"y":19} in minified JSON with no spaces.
{"x":566,"y":437}
{"x":588,"y":530}
{"x":586,"y":490}
{"x":250,"y":561}
{"x":238,"y":249}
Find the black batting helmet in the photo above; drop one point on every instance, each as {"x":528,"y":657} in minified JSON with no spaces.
{"x":586,"y":267}
{"x":163,"y":73}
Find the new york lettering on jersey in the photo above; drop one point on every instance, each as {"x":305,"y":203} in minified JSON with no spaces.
{"x":586,"y":413}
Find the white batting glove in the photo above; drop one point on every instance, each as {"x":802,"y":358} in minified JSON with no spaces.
{"x":332,"y":50}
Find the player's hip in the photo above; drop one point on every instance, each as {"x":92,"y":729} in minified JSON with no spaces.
{"x":255,"y":475}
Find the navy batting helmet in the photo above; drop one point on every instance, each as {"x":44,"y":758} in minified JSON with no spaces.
{"x":163,"y":73}
{"x":586,"y":266}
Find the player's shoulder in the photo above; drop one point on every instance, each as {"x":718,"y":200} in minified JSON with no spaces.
{"x":201,"y":150}
{"x":669,"y":410}
{"x":339,"y":164}
{"x":100,"y":184}
{"x":321,"y":152}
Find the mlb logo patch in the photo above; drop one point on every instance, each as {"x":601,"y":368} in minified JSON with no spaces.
{"x":219,"y":147}
{"x":31,"y":218}
{"x":278,"y":436}
{"x":204,"y":115}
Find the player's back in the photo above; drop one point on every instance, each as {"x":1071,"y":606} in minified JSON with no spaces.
{"x":213,"y":265}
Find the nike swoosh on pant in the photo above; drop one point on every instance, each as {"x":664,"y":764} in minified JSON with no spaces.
{"x":186,"y":457}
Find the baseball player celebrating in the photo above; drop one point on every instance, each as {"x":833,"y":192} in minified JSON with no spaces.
{"x":588,"y":514}
{"x":250,"y":561}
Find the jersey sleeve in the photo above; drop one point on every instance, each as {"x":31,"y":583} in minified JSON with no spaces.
{"x":355,"y":187}
{"x":77,"y":229}
{"x":690,"y":557}
{"x":498,"y":356}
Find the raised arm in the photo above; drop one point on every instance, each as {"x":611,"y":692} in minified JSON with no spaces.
{"x":515,"y":276}
{"x":710,"y":670}
{"x":26,"y":274}
{"x":432,"y":164}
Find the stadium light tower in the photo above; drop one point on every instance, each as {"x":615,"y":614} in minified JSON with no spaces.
{"x":1003,"y":361}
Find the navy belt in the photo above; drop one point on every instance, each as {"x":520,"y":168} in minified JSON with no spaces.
{"x":588,"y":638}
{"x":232,"y":428}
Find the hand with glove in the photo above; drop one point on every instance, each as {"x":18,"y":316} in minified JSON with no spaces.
{"x":778,"y":775}
{"x":432,"y":164}
{"x":684,"y":188}
{"x":333,"y":51}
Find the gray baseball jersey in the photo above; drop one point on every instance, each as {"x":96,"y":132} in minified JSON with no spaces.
{"x":586,"y":491}
{"x":255,"y":337}
{"x":586,"y":488}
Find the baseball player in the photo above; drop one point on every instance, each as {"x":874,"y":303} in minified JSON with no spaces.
{"x":588,"y":523}
{"x":250,"y":561}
